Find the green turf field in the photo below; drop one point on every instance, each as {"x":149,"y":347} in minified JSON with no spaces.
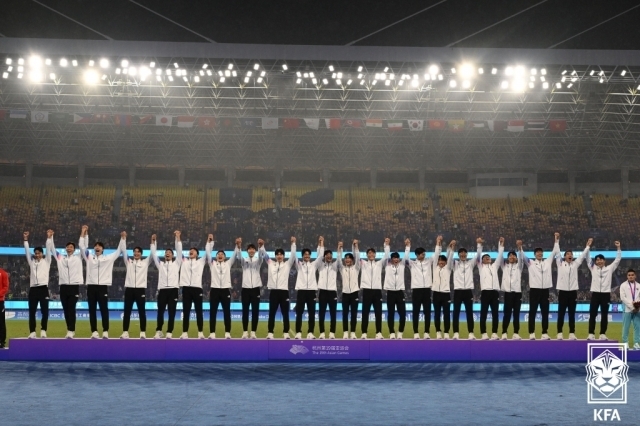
{"x":57,"y":328}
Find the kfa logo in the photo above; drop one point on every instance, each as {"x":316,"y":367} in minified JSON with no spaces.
{"x":605,"y":414}
{"x":607,"y":373}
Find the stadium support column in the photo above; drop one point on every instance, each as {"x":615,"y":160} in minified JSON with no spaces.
{"x":230,"y":173}
{"x":28,"y":175}
{"x":421,"y":178}
{"x":374,"y":178}
{"x":326,"y":176}
{"x":625,"y":182}
{"x":81,"y":175}
{"x":572,"y":183}
{"x":132,"y":176}
{"x":181,"y":176}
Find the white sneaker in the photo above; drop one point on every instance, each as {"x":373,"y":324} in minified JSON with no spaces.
{"x":32,"y":335}
{"x":310,"y":336}
{"x":399,"y":335}
{"x":532,"y":336}
{"x":70,"y":335}
{"x":321,"y":337}
{"x":446,"y":336}
{"x":245,"y":334}
{"x":95,"y":335}
{"x":169,"y":336}
{"x":143,"y":335}
{"x":227,"y":336}
{"x":591,"y":337}
{"x":504,"y":336}
{"x":345,"y":336}
{"x":253,"y":335}
{"x":286,"y":336}
{"x":364,"y":336}
{"x":200,"y":335}
{"x":158,"y":335}
{"x":456,"y":336}
{"x":560,"y":336}
{"x":270,"y":336}
{"x":125,"y":335}
{"x":298,"y":336}
{"x":485,"y":336}
{"x":184,"y":336}
{"x":353,"y":335}
{"x":416,"y":336}
{"x":392,"y":336}
{"x":105,"y":334}
{"x":379,"y":336}
{"x":426,"y":336}
{"x":572,"y":336}
{"x":516,"y":337}
{"x":472,"y":336}
{"x":636,"y":347}
{"x":603,"y":337}
{"x":438,"y":335}
{"x":211,"y":336}
{"x":332,"y":336}
{"x":545,"y":336}
{"x":494,"y":336}
{"x":43,"y":334}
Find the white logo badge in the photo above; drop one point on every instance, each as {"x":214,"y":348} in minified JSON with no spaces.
{"x":298,"y":349}
{"x":607,"y":373}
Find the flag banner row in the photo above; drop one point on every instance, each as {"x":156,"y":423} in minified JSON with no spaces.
{"x":274,"y":123}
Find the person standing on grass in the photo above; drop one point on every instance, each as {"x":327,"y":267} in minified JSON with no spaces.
{"x":630,"y":297}
{"x":512,"y":288}
{"x":540,"y":282}
{"x":328,"y":291}
{"x":4,"y":289}
{"x":99,"y":279}
{"x":38,"y":287}
{"x":70,"y":278}
{"x":220,"y":293}
{"x":442,"y":292}
{"x":251,"y":285}
{"x":350,"y":288}
{"x":490,"y":290}
{"x":278,"y":285}
{"x":394,"y":285}
{"x":567,"y":287}
{"x":135,"y":289}
{"x":168,"y":283}
{"x":463,"y":288}
{"x":601,"y":291}
{"x":306,"y":288}
{"x":371,"y":285}
{"x":421,"y":283}
{"x":191,"y":284}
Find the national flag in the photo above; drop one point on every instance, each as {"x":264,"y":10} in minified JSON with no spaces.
{"x":146,"y":119}
{"x":122,"y":120}
{"x":226,"y":122}
{"x":374,"y":122}
{"x":88,"y":118}
{"x":164,"y":120}
{"x":18,"y":113}
{"x":101,"y":118}
{"x":39,"y":116}
{"x":290,"y":123}
{"x":477,"y":124}
{"x":416,"y":125}
{"x":185,"y":121}
{"x":58,"y":117}
{"x":497,"y":125}
{"x":437,"y":124}
{"x":394,"y":125}
{"x":269,"y":123}
{"x":3,"y":114}
{"x":352,"y":123}
{"x":557,"y":125}
{"x":312,"y":123}
{"x":332,"y":123}
{"x":515,"y":126}
{"x":535,"y":125}
{"x":456,"y":125}
{"x":206,"y":122}
{"x":250,"y":123}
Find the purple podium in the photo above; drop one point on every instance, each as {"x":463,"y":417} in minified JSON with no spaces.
{"x":280,"y":350}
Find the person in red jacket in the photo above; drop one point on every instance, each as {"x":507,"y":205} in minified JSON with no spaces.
{"x":4,"y":288}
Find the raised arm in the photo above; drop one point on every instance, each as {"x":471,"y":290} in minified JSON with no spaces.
{"x":618,"y":258}
{"x":407,"y":251}
{"x":555,"y":251}
{"x":356,"y":255}
{"x":208,"y":248}
{"x":320,"y":255}
{"x":387,"y":252}
{"x":500,"y":258}
{"x":237,"y":253}
{"x":51,"y":247}
{"x":84,"y":243}
{"x":584,"y":253}
{"x":450,"y":251}
{"x":338,"y":262}
{"x":437,"y":251}
{"x":478,"y":257}
{"x":154,"y":251}
{"x":292,"y":255}
{"x":122,"y":248}
{"x":25,"y":236}
{"x":178,"y":245}
{"x":520,"y":254}
{"x":262,"y":253}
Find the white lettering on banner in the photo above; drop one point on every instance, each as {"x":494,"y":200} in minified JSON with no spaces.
{"x":330,"y":350}
{"x":605,"y":414}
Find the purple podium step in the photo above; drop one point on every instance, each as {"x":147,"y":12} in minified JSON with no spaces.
{"x":279,"y":350}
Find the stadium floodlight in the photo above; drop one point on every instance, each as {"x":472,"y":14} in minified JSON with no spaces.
{"x":298,"y":74}
{"x":592,"y":72}
{"x":5,"y":75}
{"x":20,"y":68}
{"x":152,"y":64}
{"x":559,"y":85}
{"x":574,"y":79}
{"x":360,"y":68}
{"x":255,"y":66}
{"x":601,"y":73}
{"x":35,"y":76}
{"x":10,"y":68}
{"x":427,"y":77}
{"x":360,"y":75}
{"x":361,"y":82}
{"x":339,"y":82}
{"x":168,"y":72}
{"x":63,"y":62}
{"x":201,"y":73}
{"x":543,"y":71}
{"x":334,"y":75}
{"x":532,"y":78}
{"x":466,"y":70}
{"x":234,"y":73}
{"x":504,"y":84}
{"x":227,"y":73}
{"x":374,"y":82}
{"x":170,"y":78}
{"x":414,"y":83}
{"x":133,"y":71}
{"x":204,"y":66}
{"x":519,"y":70}
{"x":545,"y":85}
{"x":20,"y":61}
{"x":331,"y":68}
{"x":387,"y":82}
{"x":298,"y":81}
{"x":74,"y":63}
{"x":325,"y":81}
{"x":400,"y":82}
{"x":144,"y":71}
{"x":453,"y":70}
{"x":339,"y":75}
{"x":533,"y":71}
{"x":186,"y":80}
{"x":494,"y":71}
{"x":91,"y":63}
{"x":312,"y":75}
{"x":118,"y":70}
{"x":638,"y":88}
{"x":433,"y":69}
{"x":314,"y":80}
{"x":158,"y":78}
{"x":221,"y":74}
{"x":623,"y":73}
{"x":175,"y":65}
{"x":263,"y":73}
{"x":531,"y":85}
{"x":306,"y":75}
{"x":90,"y":77}
{"x":8,"y":61}
{"x":508,"y":71}
{"x":542,"y":78}
{"x":574,"y":72}
{"x":564,"y":72}
{"x":259,"y":79}
{"x":466,"y":84}
{"x":480,"y":70}
{"x":392,"y":76}
{"x":453,"y":84}
{"x":570,"y":85}
{"x":518,"y":85}
{"x":386,"y":69}
{"x":246,"y":79}
{"x":376,"y":76}
{"x":124,"y":63}
{"x":222,"y":79}
{"x":249,"y":73}
{"x":285,"y":67}
{"x":104,"y":77}
{"x":104,"y":63}
{"x":440,"y":77}
{"x":19,"y":75}
{"x":230,"y":66}
{"x":47,"y":61}
{"x":52,"y":76}
{"x":563,"y":79}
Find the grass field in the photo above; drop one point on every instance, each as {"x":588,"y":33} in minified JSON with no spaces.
{"x":57,"y":328}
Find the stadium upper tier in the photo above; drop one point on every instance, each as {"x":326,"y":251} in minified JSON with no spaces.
{"x":367,"y":214}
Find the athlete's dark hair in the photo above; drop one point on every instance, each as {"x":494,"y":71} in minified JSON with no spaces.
{"x":631,"y":270}
{"x":537,"y":249}
{"x":197,"y":251}
{"x":568,"y":251}
{"x":306,"y":250}
{"x":138,"y":248}
{"x":462,"y":250}
{"x":419,"y":251}
{"x":395,"y":255}
{"x":38,"y":249}
{"x":599,"y":256}
{"x":371,"y":249}
{"x":279,"y":251}
{"x":486,"y":255}
{"x":70,"y":243}
{"x":220,"y":251}
{"x":442,"y":257}
{"x":326,"y":252}
{"x":512,"y":253}
{"x":349,"y":256}
{"x":251,"y":246}
{"x":99,"y":243}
